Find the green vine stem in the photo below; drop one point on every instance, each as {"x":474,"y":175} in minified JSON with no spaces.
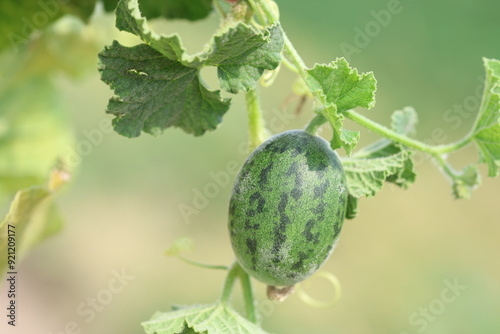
{"x":256,"y":127}
{"x":258,"y":12}
{"x":246,"y":286}
{"x":202,"y":265}
{"x":402,"y":139}
{"x":232,"y":274}
{"x":236,"y":271}
{"x":257,"y":134}
{"x":314,"y":125}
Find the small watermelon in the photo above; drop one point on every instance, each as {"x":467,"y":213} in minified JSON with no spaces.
{"x":287,"y":208}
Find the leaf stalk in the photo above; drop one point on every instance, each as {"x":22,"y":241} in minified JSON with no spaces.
{"x":237,"y":272}
{"x":256,"y":127}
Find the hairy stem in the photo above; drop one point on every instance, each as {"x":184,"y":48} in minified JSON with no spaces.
{"x":435,"y":151}
{"x":294,"y":58}
{"x":315,"y":123}
{"x":445,"y":166}
{"x":232,"y":274}
{"x":388,"y":133}
{"x":246,"y":286}
{"x":256,"y":127}
{"x":236,"y":271}
{"x":443,"y":149}
{"x":264,"y":20}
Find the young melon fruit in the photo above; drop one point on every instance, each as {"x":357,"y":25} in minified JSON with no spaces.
{"x":287,"y":208}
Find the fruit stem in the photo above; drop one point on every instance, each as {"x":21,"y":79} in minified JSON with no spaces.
{"x":256,"y":127}
{"x":236,"y":271}
{"x":232,"y":274}
{"x":315,"y":123}
{"x":246,"y":286}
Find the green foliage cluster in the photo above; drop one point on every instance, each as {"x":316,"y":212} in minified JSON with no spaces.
{"x":157,"y":85}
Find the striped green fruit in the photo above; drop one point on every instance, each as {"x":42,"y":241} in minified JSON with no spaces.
{"x":287,"y":208}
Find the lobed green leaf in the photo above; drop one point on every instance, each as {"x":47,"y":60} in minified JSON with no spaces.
{"x":158,"y":85}
{"x":486,"y":132}
{"x":154,"y":93}
{"x":211,"y":319}
{"x":366,"y":176}
{"x":171,"y":9}
{"x":342,"y":85}
{"x":130,"y":19}
{"x":466,"y":181}
{"x":341,"y":137}
{"x":341,"y":88}
{"x":33,"y":216}
{"x":242,"y":53}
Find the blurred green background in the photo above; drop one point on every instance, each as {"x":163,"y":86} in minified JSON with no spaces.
{"x":122,"y":209}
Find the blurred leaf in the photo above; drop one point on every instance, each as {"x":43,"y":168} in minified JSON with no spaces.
{"x":172,"y":9}
{"x":211,"y":319}
{"x":486,"y":131}
{"x":341,"y":88}
{"x":180,"y":245}
{"x":155,"y":93}
{"x":70,"y":46}
{"x":80,"y":8}
{"x":466,"y":181}
{"x":35,"y":129}
{"x":33,"y":217}
{"x":34,"y":133}
{"x":405,"y":121}
{"x":177,"y":9}
{"x":19,"y":19}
